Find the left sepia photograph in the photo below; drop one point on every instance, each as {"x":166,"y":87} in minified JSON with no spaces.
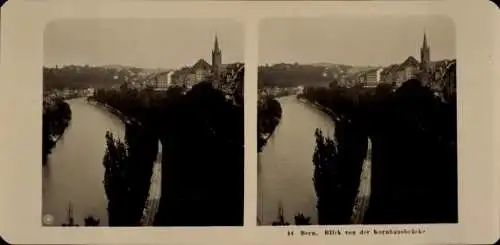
{"x":143,"y":122}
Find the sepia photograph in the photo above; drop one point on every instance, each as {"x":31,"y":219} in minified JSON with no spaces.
{"x":357,"y":120}
{"x":143,"y":122}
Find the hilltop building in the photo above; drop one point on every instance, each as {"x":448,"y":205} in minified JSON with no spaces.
{"x":372,"y":77}
{"x":217,"y":72}
{"x":424,"y":70}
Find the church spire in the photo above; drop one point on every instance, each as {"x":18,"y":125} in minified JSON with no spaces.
{"x":216,"y":44}
{"x":425,"y":40}
{"x":216,"y":58}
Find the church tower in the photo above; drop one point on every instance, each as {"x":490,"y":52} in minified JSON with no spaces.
{"x":425,"y":62}
{"x":216,"y":59}
{"x":425,"y":55}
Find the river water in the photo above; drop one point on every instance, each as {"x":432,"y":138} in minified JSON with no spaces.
{"x":286,"y":167}
{"x":285,"y":163}
{"x":74,"y":173}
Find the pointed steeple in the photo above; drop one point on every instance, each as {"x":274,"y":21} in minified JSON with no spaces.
{"x":216,"y":58}
{"x":216,"y":44}
{"x":425,"y":40}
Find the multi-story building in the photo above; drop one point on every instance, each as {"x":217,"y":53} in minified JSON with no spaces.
{"x":162,"y":81}
{"x":189,"y":76}
{"x":372,"y":77}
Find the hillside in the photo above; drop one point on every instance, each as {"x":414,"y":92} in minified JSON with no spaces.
{"x":292,"y":75}
{"x":81,"y":77}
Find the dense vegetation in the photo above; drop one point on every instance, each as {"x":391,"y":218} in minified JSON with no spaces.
{"x":292,"y":75}
{"x":268,"y":117}
{"x":81,"y":77}
{"x":414,"y":154}
{"x":201,"y":132}
{"x":56,"y":118}
{"x":128,"y":169}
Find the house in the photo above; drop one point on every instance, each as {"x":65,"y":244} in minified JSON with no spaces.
{"x":162,"y":80}
{"x":389,"y":74}
{"x":372,"y":77}
{"x":189,"y":76}
{"x":398,"y":74}
{"x":409,"y":69}
{"x":201,"y":70}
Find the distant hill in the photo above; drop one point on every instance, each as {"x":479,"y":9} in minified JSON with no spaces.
{"x":80,"y":77}
{"x":341,"y":67}
{"x":292,"y":75}
{"x":314,"y":74}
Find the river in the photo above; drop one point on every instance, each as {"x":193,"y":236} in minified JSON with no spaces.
{"x":74,"y":172}
{"x":286,"y":168}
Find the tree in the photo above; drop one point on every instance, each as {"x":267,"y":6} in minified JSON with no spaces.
{"x":408,"y":127}
{"x":326,"y":180}
{"x":281,"y":219}
{"x":116,"y":180}
{"x":202,"y":134}
{"x":300,"y":219}
{"x":92,"y":221}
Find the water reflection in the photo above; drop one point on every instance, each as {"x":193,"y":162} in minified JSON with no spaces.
{"x":74,"y":172}
{"x":285,"y":164}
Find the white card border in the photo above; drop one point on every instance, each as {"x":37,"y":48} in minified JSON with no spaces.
{"x":22,"y":58}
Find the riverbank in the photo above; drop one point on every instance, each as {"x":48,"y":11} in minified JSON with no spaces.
{"x":76,"y":165}
{"x":286,"y":167}
{"x":115,"y":112}
{"x":321,"y":108}
{"x":269,"y":117}
{"x":55,"y":120}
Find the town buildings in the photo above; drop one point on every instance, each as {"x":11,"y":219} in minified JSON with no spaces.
{"x":217,"y":72}
{"x":411,"y":68}
{"x":438,"y":75}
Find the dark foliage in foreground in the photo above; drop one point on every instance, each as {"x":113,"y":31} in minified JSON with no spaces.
{"x":92,"y":221}
{"x":56,"y":118}
{"x":414,"y":154}
{"x":201,"y":132}
{"x":299,"y":219}
{"x":128,"y":172}
{"x":203,"y":161}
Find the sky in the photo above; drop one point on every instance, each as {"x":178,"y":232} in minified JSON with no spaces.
{"x":359,"y":41}
{"x":167,"y":44}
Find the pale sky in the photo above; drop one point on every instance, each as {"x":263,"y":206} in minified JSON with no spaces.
{"x":141,"y":43}
{"x":350,"y":40}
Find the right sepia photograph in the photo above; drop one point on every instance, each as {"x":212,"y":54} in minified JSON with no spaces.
{"x":357,"y":121}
